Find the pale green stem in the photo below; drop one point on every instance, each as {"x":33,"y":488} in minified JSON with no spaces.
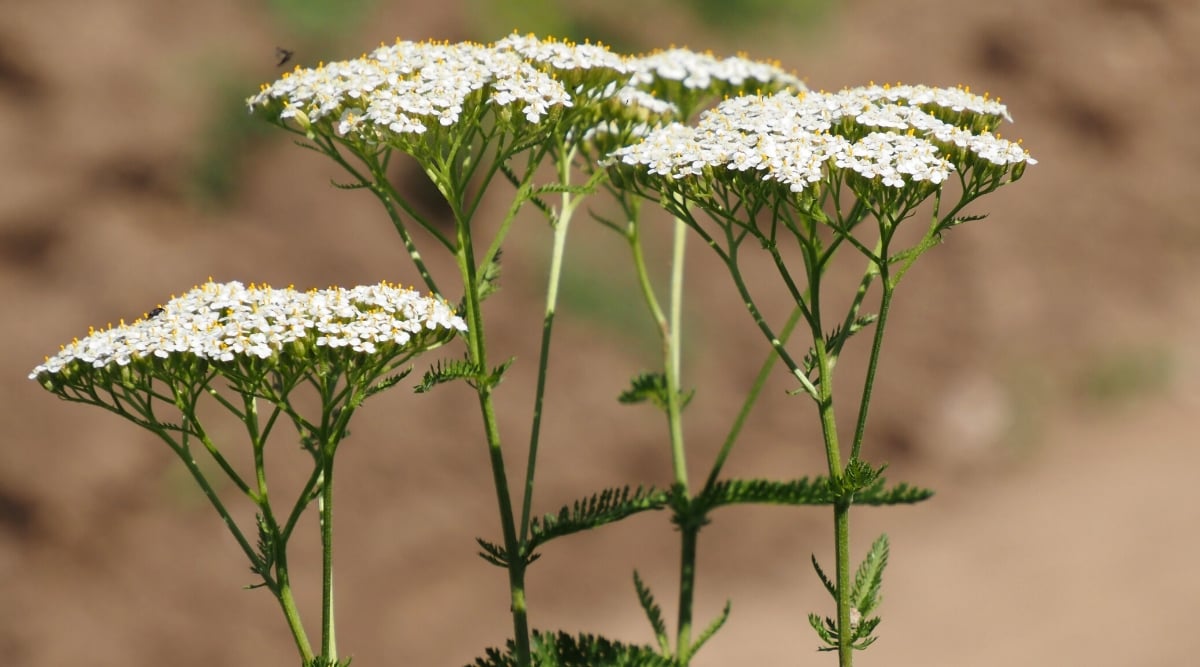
{"x":561,"y":226}
{"x":672,"y":355}
{"x":689,"y":533}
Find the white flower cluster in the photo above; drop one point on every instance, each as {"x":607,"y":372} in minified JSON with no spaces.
{"x":403,"y":87}
{"x":224,"y":321}
{"x":885,"y":133}
{"x":699,"y":71}
{"x":409,"y":87}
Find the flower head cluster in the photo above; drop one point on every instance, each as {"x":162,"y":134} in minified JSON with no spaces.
{"x":225,"y":322}
{"x":705,"y":72}
{"x":891,"y":135}
{"x":401,"y":91}
{"x":411,"y":87}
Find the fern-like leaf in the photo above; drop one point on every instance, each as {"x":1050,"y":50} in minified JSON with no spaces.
{"x":901,"y":494}
{"x":835,"y":340}
{"x":447,"y":371}
{"x":605,"y":507}
{"x":857,"y":476}
{"x":712,"y":628}
{"x":492,"y":553}
{"x":826,"y":630}
{"x":349,"y":186}
{"x":388,"y":382}
{"x":498,"y":372}
{"x":869,"y":577}
{"x":583,"y":650}
{"x":489,"y":277}
{"x":803,"y":491}
{"x":263,"y":561}
{"x":958,"y":220}
{"x":653,"y":612}
{"x":652,"y":387}
{"x":829,"y":585}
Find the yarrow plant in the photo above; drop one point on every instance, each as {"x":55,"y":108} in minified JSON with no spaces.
{"x":261,"y":354}
{"x":797,"y":172}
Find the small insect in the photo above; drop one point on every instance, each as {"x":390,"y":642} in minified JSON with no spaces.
{"x":284,"y":56}
{"x":154,"y":313}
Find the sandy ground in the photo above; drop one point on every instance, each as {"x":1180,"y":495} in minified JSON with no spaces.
{"x":1041,"y":373}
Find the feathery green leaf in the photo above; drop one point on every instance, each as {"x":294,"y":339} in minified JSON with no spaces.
{"x":447,"y":371}
{"x":388,"y":382}
{"x":605,"y":507}
{"x":652,"y":387}
{"x":492,"y":553}
{"x":489,"y":277}
{"x":829,"y":585}
{"x":584,"y":650}
{"x":653,"y":612}
{"x":801,"y":491}
{"x":712,"y":628}
{"x":869,"y":577}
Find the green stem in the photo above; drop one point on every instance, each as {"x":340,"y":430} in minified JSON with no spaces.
{"x":556,"y":260}
{"x":669,"y":326}
{"x":291,"y":612}
{"x":690,"y":529}
{"x":671,"y":355}
{"x":841,"y":507}
{"x":776,"y":343}
{"x":885,"y":303}
{"x":841,"y":537}
{"x":325,"y":502}
{"x":280,"y":587}
{"x":689,"y":535}
{"x":477,"y":350}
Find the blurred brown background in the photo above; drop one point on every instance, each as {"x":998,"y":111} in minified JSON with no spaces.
{"x":1041,"y":372}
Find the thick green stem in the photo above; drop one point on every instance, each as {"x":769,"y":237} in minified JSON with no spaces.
{"x":291,"y":612}
{"x":672,"y":343}
{"x":841,"y":537}
{"x":841,"y":507}
{"x":325,"y":502}
{"x":690,"y":530}
{"x":689,"y":535}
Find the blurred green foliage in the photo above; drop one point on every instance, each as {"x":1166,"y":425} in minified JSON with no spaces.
{"x":314,"y":19}
{"x":1126,"y":373}
{"x":574,"y":21}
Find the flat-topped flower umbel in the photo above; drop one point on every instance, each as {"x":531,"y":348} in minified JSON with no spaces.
{"x":410,"y":88}
{"x":224,"y":323}
{"x":895,"y":135}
